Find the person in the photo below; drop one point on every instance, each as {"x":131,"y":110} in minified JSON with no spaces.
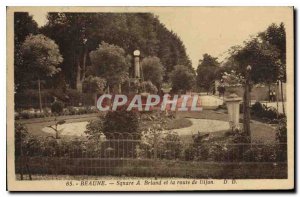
{"x":270,"y":96}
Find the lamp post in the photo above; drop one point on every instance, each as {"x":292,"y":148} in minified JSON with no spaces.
{"x":246,"y":106}
{"x":136,"y":55}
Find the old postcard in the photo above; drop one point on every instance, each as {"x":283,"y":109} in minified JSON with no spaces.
{"x":150,"y":98}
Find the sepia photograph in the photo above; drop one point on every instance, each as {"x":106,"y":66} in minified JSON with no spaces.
{"x":150,"y":98}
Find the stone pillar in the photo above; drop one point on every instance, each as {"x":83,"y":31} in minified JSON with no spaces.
{"x":233,"y":107}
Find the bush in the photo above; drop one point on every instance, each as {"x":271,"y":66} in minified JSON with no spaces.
{"x":170,"y":146}
{"x":121,"y":121}
{"x":57,"y":107}
{"x":263,"y":112}
{"x":94,"y":129}
{"x":281,"y":131}
{"x":149,"y":87}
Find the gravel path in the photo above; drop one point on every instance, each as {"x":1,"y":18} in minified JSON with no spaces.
{"x":203,"y":126}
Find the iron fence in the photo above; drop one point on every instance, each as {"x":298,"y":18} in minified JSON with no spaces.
{"x":156,"y":155}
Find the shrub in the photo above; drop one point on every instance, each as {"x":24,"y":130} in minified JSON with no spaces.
{"x":121,"y":121}
{"x":21,"y":134}
{"x":171,"y":146}
{"x":149,"y":87}
{"x":57,"y":107}
{"x":26,"y":115}
{"x":72,"y":110}
{"x":269,"y":114}
{"x":281,"y":131}
{"x":94,"y":129}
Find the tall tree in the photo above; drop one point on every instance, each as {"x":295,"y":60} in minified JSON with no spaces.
{"x":182,"y":79}
{"x":275,"y":35}
{"x":207,"y":72}
{"x":110,"y":62}
{"x":77,"y":34}
{"x":24,"y":25}
{"x":152,"y":70}
{"x":41,"y":58}
{"x":256,"y":64}
{"x":94,"y":85}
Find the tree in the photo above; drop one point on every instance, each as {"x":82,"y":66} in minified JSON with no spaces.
{"x":255,"y":64}
{"x":94,"y":85}
{"x":152,"y":70}
{"x":182,"y":79}
{"x":110,"y":62}
{"x":41,"y":58}
{"x":148,"y":87}
{"x":121,"y":124}
{"x":206,"y":72}
{"x":275,"y":35}
{"x":77,"y":34}
{"x":24,"y":25}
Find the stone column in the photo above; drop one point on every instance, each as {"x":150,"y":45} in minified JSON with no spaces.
{"x":233,"y":107}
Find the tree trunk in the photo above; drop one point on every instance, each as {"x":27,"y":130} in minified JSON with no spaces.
{"x":277,"y":94}
{"x":95,"y":99}
{"x":119,"y":88}
{"x":282,"y":99}
{"x":40,"y":96}
{"x":84,"y":63}
{"x":78,"y":79}
{"x":269,"y":93}
{"x":246,"y":109}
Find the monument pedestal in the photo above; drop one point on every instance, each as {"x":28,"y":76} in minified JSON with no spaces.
{"x":233,"y":107}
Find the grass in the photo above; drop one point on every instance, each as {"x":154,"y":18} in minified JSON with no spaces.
{"x":164,"y":168}
{"x":260,"y":132}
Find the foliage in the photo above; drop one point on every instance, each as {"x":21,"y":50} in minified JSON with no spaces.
{"x":93,"y":84}
{"x":21,"y":134}
{"x":57,"y":107}
{"x":261,"y":56}
{"x":265,"y":113}
{"x":153,"y":70}
{"x":55,"y":127}
{"x":171,"y":146}
{"x":94,"y":129}
{"x":232,"y":78}
{"x":41,"y":55}
{"x":275,"y":35}
{"x":281,"y":130}
{"x":149,"y":87}
{"x":182,"y":79}
{"x":121,"y":121}
{"x":206,"y":72}
{"x":77,"y":34}
{"x":24,"y":25}
{"x":109,"y":62}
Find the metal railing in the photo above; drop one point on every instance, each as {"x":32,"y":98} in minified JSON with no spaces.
{"x":156,"y":155}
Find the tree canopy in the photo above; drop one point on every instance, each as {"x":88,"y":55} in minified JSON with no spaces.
{"x":41,"y":56}
{"x":207,"y":71}
{"x":110,"y":62}
{"x":153,"y":70}
{"x":24,"y":25}
{"x":182,"y":79}
{"x":77,"y":34}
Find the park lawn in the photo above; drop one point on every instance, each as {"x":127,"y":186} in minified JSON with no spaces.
{"x":160,"y":168}
{"x":36,"y":125}
{"x":261,"y":133}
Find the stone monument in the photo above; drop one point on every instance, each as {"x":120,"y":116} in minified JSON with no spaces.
{"x":233,"y":107}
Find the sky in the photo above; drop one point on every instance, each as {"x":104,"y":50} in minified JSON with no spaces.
{"x":211,"y":30}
